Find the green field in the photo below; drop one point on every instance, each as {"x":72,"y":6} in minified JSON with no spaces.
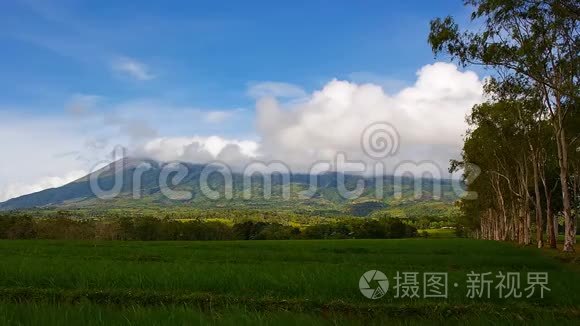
{"x":267,"y":282}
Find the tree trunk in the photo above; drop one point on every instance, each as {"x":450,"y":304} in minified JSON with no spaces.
{"x":526,"y":219}
{"x":551,"y":226}
{"x":539,"y":222}
{"x":570,"y":223}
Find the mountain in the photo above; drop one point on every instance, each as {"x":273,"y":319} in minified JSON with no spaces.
{"x":139,"y":186}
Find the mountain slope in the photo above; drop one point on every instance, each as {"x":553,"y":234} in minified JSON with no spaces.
{"x":139,"y":186}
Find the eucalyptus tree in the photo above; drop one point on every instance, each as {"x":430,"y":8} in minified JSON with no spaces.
{"x":537,"y":43}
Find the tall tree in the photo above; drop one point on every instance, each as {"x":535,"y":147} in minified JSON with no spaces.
{"x":536,"y":42}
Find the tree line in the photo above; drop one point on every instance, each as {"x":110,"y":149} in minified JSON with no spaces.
{"x":22,"y":226}
{"x":525,"y":138}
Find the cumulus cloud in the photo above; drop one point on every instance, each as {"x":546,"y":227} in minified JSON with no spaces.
{"x":199,"y":149}
{"x":275,"y":89}
{"x":133,"y":68}
{"x":429,"y":117}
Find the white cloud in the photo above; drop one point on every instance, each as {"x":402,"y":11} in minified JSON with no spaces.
{"x":133,"y":68}
{"x":38,"y":150}
{"x":199,"y":149}
{"x":18,"y":189}
{"x":38,"y":153}
{"x":275,"y":89}
{"x":429,"y":116}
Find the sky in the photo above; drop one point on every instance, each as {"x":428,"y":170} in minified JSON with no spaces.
{"x":235,"y":81}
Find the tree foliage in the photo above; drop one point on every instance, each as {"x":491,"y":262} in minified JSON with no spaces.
{"x":525,"y":138}
{"x":147,"y":228}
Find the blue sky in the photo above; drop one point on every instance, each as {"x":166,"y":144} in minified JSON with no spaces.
{"x":205,"y":52}
{"x":183,"y":80}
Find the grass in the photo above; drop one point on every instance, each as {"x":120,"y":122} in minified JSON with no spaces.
{"x":266,"y":282}
{"x":90,"y":314}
